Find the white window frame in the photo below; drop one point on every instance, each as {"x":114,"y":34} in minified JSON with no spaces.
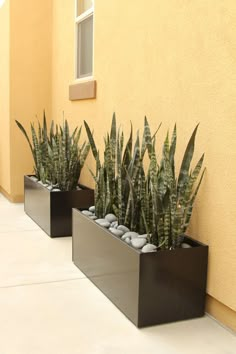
{"x":78,"y":19}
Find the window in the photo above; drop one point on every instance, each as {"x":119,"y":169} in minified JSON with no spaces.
{"x":84,"y":38}
{"x":85,"y":87}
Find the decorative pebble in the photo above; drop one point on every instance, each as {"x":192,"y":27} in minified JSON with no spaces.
{"x":92,"y":209}
{"x":78,"y":188}
{"x":100,"y":220}
{"x":128,"y":240}
{"x":35,"y":179}
{"x":103,"y":222}
{"x":87,"y":213}
{"x":138,"y":242}
{"x":142,"y":236}
{"x":116,"y":232}
{"x":56,"y":190}
{"x":50,"y":187}
{"x":185,"y":245}
{"x":130,"y":234}
{"x":93,"y":217}
{"x":45,"y":184}
{"x":110,"y":217}
{"x":123,"y":228}
{"x":115,"y":224}
{"x":149,"y":248}
{"x":40,"y":182}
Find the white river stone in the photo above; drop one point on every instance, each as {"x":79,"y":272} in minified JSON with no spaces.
{"x":110,"y":217}
{"x":142,"y":236}
{"x":35,"y":179}
{"x":103,"y":222}
{"x":130,"y":234}
{"x":138,"y":242}
{"x":116,"y":232}
{"x":185,"y":245}
{"x":123,"y":228}
{"x":87,"y":212}
{"x":149,"y":248}
{"x":115,"y":224}
{"x":93,"y":217}
{"x":128,"y":240}
{"x":92,"y":209}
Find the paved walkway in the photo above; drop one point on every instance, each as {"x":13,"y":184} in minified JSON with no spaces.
{"x":47,"y":306}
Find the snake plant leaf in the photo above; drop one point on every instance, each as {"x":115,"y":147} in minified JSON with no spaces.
{"x":121,"y":142}
{"x":146,"y":225}
{"x":45,"y":129}
{"x":154,"y":135}
{"x":173,"y":148}
{"x":167,"y":242}
{"x":51,"y":135}
{"x":36,"y":150}
{"x":119,"y":181}
{"x":84,"y":154}
{"x":92,"y":143}
{"x":129,"y":217}
{"x":76,"y":133}
{"x":135,"y":160}
{"x":40,"y":133}
{"x":20,"y":126}
{"x":113,"y":128}
{"x":193,"y":177}
{"x":184,"y":169}
{"x":190,"y":206}
{"x":166,"y":199}
{"x":128,"y":150}
{"x":147,"y":140}
{"x":153,"y":167}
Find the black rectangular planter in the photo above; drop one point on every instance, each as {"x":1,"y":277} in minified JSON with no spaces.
{"x":149,"y":288}
{"x":52,"y":211}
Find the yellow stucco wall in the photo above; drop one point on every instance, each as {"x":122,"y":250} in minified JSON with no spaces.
{"x":4,"y":98}
{"x":30,"y":79}
{"x":173,"y":61}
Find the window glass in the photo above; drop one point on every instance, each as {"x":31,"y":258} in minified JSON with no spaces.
{"x":85,"y":48}
{"x":83,"y":5}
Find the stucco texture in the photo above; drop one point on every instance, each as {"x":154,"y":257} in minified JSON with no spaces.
{"x":30,"y":79}
{"x":173,"y":61}
{"x":4,"y":97}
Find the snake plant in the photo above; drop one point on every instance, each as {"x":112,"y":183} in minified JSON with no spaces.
{"x":38,"y":147}
{"x":120,"y":178}
{"x":58,"y":157}
{"x":66,"y":158}
{"x":170,"y":199}
{"x":155,"y":201}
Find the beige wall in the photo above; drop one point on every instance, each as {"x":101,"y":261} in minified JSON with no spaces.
{"x":173,"y":61}
{"x":30,"y":79}
{"x":4,"y":97}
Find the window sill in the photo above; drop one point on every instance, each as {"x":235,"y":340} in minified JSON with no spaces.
{"x":82,"y":90}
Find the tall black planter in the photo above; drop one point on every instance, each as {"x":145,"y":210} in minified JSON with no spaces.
{"x":149,"y":288}
{"x":52,"y":211}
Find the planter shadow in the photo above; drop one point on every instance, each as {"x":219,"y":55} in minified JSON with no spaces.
{"x":52,"y":211}
{"x":149,"y":288}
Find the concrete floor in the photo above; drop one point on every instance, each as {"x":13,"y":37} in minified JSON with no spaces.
{"x":47,"y":306}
